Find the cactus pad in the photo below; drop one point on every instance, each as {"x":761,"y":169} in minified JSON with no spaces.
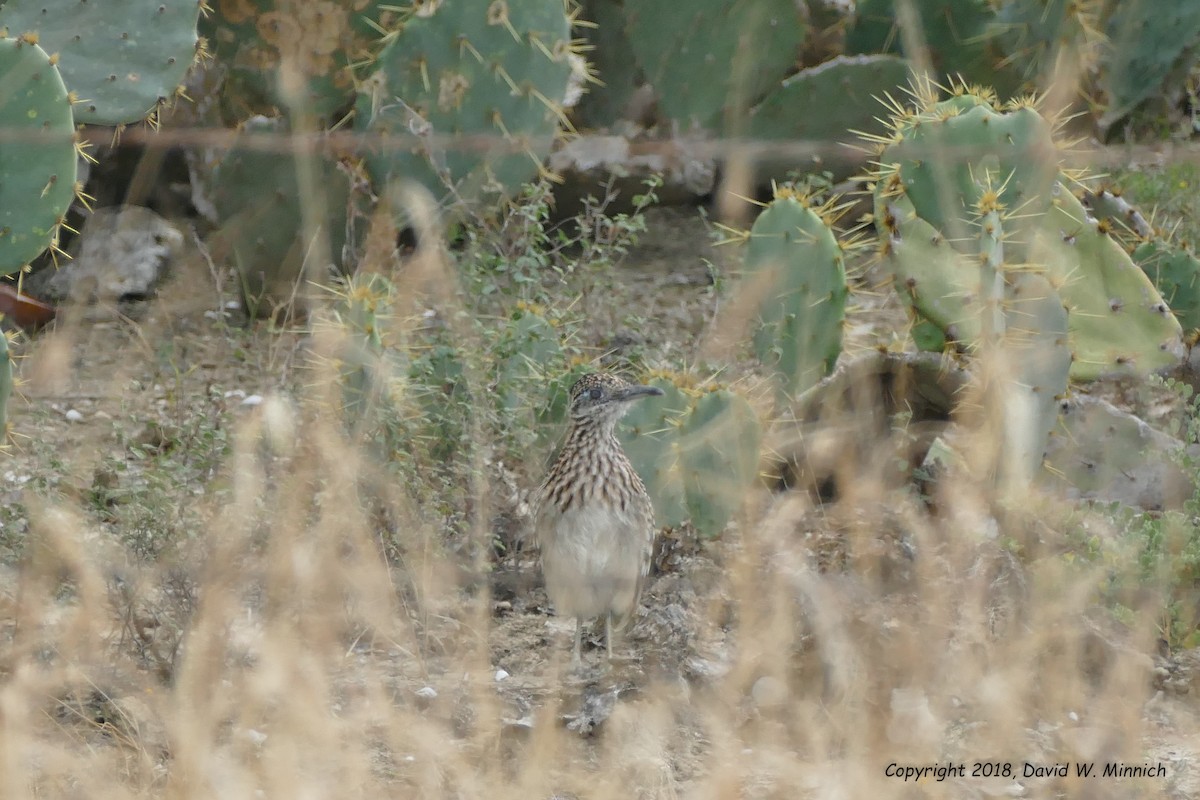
{"x":1118,"y":321}
{"x":707,"y":56}
{"x":649,"y":434}
{"x":319,"y":39}
{"x":257,"y":197}
{"x":122,"y":59}
{"x":793,"y":253}
{"x":470,"y":96}
{"x":1175,"y":272}
{"x":718,"y":455}
{"x":37,"y":166}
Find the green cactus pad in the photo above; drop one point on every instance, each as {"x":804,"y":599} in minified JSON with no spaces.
{"x":707,"y":56}
{"x":941,"y":151}
{"x":650,"y":435}
{"x":845,"y":88}
{"x":929,"y":273}
{"x":793,"y":251}
{"x":1175,"y":272}
{"x":1038,"y":36}
{"x":1111,"y":205}
{"x":121,"y":59}
{"x":991,"y":274}
{"x":1036,"y":341}
{"x":607,"y":102}
{"x":321,"y":39}
{"x":1118,"y":321}
{"x":957,"y":33}
{"x":1147,"y":42}
{"x":472,"y":94}
{"x":1099,"y":452}
{"x":718,"y":456}
{"x":38,"y":163}
{"x":257,"y":197}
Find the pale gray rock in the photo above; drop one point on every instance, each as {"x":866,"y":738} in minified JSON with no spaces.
{"x":124,"y":252}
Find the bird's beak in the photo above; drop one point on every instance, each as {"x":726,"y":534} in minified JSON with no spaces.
{"x":634,"y":392}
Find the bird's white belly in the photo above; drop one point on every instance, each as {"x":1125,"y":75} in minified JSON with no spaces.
{"x":592,"y":562}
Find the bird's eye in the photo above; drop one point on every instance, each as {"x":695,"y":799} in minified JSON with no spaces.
{"x":595,"y":393}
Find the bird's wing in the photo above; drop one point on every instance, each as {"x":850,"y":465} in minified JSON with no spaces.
{"x":647,"y":523}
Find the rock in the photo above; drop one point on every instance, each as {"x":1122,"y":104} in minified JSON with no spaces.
{"x":124,"y":253}
{"x":588,"y":164}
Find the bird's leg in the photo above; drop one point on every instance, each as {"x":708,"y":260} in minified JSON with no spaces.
{"x":608,"y":634}
{"x":576,"y":654}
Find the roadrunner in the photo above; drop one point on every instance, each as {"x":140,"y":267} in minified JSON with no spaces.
{"x":593,"y":518}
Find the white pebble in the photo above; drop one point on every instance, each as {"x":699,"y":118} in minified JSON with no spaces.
{"x":427,"y":692}
{"x":253,"y":400}
{"x":73,"y":416}
{"x":501,"y":675}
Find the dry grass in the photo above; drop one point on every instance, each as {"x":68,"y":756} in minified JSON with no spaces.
{"x":304,"y":626}
{"x":281,"y":651}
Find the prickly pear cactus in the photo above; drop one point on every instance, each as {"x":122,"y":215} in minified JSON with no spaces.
{"x":649,"y":434}
{"x":257,"y":196}
{"x":1119,"y":323}
{"x":608,"y":101}
{"x":1175,"y":271}
{"x":1170,"y":265}
{"x":956,"y":33}
{"x":1147,"y":42}
{"x":38,"y":163}
{"x":470,"y":97}
{"x":528,"y":351}
{"x":927,"y":274}
{"x":1043,"y":37}
{"x":845,"y":88}
{"x":122,"y":59}
{"x":708,"y":56}
{"x":1015,"y":147}
{"x":942,"y":158}
{"x":1038,"y":356}
{"x":1109,"y":204}
{"x":317,"y":40}
{"x":718,"y":457}
{"x":793,"y":252}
